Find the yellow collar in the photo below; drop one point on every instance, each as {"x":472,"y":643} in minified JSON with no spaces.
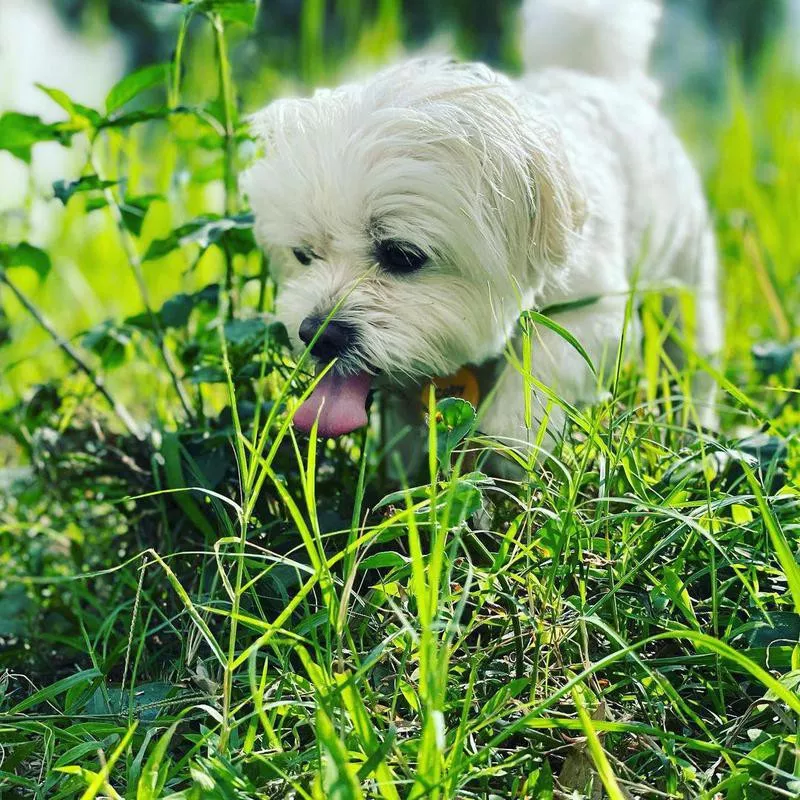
{"x":463,"y":384}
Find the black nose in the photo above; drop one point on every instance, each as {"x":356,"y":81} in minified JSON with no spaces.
{"x":332,"y":342}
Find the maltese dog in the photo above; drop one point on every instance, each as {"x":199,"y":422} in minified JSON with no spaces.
{"x":411,"y":220}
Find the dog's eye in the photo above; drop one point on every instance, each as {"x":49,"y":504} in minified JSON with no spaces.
{"x":304,"y":255}
{"x":399,"y":257}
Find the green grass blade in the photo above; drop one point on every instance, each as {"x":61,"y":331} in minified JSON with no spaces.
{"x":547,"y":322}
{"x":782,"y":549}
{"x":596,"y":751}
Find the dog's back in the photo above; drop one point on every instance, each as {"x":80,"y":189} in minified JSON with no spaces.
{"x":587,"y":67}
{"x":588,"y":61}
{"x":606,"y":38}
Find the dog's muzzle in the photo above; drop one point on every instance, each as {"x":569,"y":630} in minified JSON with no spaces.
{"x":338,"y":403}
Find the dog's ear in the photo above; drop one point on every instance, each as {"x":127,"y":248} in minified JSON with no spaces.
{"x":531,"y":182}
{"x":558,"y":204}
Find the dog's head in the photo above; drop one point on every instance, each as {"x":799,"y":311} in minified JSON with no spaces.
{"x":421,"y":210}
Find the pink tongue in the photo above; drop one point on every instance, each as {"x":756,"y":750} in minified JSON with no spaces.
{"x":340,"y":403}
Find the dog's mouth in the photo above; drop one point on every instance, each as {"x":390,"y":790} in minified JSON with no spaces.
{"x":339,"y":402}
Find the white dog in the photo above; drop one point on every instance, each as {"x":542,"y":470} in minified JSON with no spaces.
{"x":425,"y":208}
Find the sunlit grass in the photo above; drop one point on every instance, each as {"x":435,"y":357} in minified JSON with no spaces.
{"x":226,"y":610}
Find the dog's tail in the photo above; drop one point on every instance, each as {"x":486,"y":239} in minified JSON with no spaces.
{"x":607,"y":38}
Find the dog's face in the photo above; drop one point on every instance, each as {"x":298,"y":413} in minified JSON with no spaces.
{"x":423,"y":208}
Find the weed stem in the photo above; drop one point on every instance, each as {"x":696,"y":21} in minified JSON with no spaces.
{"x":136,"y":266}
{"x":228,"y":101}
{"x":119,"y":409}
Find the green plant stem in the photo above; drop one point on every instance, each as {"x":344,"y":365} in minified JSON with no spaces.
{"x":119,"y":409}
{"x":135,"y":263}
{"x":175,"y":85}
{"x":228,"y":100}
{"x":244,"y":522}
{"x":263,"y":277}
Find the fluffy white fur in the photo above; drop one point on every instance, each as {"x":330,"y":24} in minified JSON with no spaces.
{"x":522,"y":193}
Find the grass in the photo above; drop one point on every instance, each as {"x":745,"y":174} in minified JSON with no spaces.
{"x":214,"y":608}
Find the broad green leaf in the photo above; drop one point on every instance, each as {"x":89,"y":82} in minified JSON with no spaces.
{"x":399,"y":497}
{"x":132,"y":209}
{"x":126,"y":119}
{"x":782,"y":626}
{"x":242,"y":11}
{"x":81,"y":116}
{"x":766,"y":751}
{"x":136,"y":83}
{"x":176,"y":310}
{"x":64,"y":190}
{"x":25,"y":255}
{"x":243,"y":332}
{"x":207,"y":374}
{"x":116,"y":701}
{"x":153,"y":777}
{"x":774,"y":358}
{"x":108,"y":341}
{"x":205,"y":231}
{"x":20,"y":132}
{"x":383,"y":561}
{"x":208,"y":294}
{"x":456,"y":504}
{"x":455,"y":419}
{"x":59,"y":97}
{"x":55,"y":689}
{"x":741,"y":514}
{"x":539,"y":783}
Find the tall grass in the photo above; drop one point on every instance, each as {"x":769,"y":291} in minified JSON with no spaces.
{"x":224,"y":610}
